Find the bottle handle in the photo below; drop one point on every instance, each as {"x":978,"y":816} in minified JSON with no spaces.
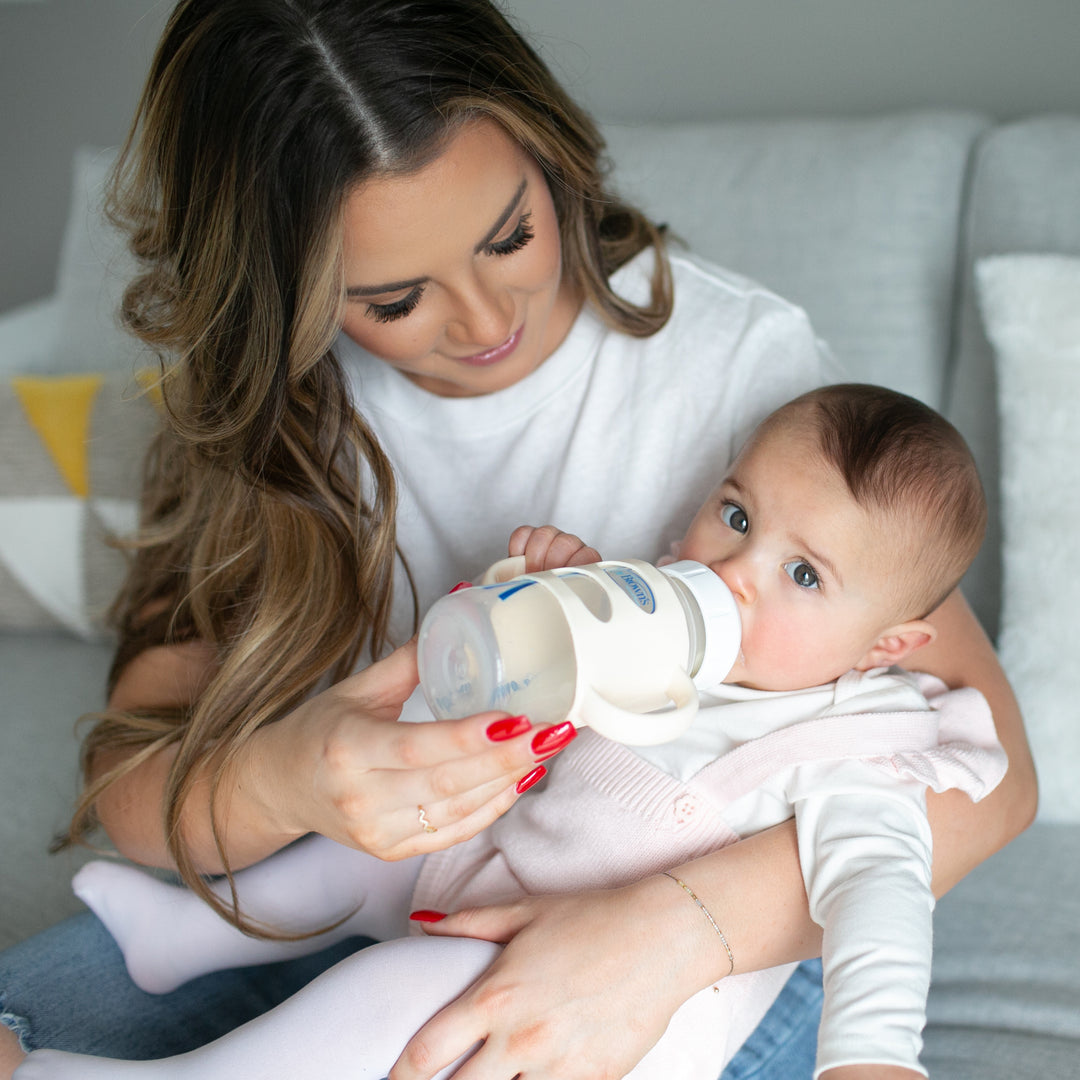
{"x":643,"y":729}
{"x":504,"y":570}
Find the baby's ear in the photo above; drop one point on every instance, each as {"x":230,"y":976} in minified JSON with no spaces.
{"x":896,"y":643}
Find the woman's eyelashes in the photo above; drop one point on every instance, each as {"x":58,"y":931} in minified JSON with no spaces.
{"x":398,"y":309}
{"x":522,"y":234}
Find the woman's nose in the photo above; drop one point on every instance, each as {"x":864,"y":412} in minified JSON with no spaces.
{"x":483,"y":317}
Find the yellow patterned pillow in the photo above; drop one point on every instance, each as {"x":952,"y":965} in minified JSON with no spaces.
{"x":71,"y":451}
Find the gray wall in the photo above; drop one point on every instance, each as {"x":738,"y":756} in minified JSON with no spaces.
{"x":70,"y":71}
{"x":70,"y":74}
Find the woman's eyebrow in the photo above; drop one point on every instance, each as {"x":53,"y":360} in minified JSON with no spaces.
{"x":503,"y":218}
{"x":356,"y":291}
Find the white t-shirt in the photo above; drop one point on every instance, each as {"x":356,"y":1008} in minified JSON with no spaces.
{"x":615,"y":438}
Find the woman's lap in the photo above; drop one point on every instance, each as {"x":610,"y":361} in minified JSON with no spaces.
{"x":67,"y":989}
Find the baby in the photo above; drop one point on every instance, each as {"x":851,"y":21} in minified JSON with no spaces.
{"x":849,"y":515}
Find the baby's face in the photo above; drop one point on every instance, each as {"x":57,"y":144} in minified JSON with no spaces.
{"x":809,"y":567}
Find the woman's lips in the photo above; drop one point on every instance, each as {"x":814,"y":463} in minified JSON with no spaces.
{"x":493,"y":356}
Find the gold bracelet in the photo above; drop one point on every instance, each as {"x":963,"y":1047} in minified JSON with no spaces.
{"x":712,"y":922}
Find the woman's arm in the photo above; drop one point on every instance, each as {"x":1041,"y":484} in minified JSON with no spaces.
{"x":555,"y":990}
{"x":347,"y":724}
{"x":164,"y":677}
{"x":967,"y":833}
{"x":339,"y":765}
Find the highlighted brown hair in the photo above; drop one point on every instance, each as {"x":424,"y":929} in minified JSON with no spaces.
{"x":267,"y":529}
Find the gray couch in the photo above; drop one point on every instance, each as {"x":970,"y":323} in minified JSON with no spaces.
{"x":875,"y":226}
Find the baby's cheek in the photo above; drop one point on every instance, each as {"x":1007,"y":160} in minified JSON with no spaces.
{"x":782,"y":655}
{"x":766,"y":648}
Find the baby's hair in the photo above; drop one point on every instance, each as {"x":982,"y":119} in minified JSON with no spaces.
{"x":902,"y":458}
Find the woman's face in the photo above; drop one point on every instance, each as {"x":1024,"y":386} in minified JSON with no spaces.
{"x":454,"y":272}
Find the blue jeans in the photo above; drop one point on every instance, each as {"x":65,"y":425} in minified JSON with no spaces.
{"x":784,"y":1045}
{"x":67,"y":989}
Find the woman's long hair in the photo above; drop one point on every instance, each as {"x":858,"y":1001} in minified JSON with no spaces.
{"x":267,"y":525}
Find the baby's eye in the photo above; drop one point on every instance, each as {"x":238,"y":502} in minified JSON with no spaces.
{"x":802,"y":573}
{"x":734,"y":517}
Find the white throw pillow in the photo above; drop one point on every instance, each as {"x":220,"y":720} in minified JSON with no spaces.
{"x":1031,"y":310}
{"x":71,"y":452}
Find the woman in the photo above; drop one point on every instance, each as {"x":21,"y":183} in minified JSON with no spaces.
{"x":393,"y":204}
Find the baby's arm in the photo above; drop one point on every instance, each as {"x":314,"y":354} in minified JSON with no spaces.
{"x":865,"y":849}
{"x":168,"y":935}
{"x":547,"y":548}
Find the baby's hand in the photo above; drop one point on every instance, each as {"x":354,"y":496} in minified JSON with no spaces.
{"x":546,"y":548}
{"x":672,"y":554}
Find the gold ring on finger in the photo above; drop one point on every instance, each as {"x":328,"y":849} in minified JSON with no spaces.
{"x":424,"y":823}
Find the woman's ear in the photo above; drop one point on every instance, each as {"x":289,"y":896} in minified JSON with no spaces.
{"x":896,"y":643}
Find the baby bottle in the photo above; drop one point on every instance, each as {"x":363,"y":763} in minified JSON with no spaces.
{"x":621,"y":646}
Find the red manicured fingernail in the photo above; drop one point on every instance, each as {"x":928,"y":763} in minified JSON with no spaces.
{"x":461,"y":585}
{"x":552,"y":739}
{"x":512,"y":726}
{"x":531,"y":778}
{"x":425,"y":915}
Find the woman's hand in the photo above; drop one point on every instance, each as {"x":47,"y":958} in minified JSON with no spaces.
{"x":575,"y":969}
{"x":341,"y":765}
{"x":548,"y":548}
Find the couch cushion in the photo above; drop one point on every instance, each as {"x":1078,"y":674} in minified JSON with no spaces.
{"x":48,"y":680}
{"x":1025,"y":197}
{"x":1005,"y":996}
{"x":856,"y":220}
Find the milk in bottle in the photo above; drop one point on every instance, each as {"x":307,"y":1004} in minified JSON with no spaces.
{"x":606,"y":645}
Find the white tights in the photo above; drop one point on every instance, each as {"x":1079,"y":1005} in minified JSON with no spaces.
{"x":168,"y":935}
{"x":353,"y":1020}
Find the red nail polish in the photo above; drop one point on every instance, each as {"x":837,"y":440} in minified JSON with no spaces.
{"x":424,"y":915}
{"x":461,"y":585}
{"x":531,"y":778}
{"x":551,"y":739}
{"x":509,"y":728}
